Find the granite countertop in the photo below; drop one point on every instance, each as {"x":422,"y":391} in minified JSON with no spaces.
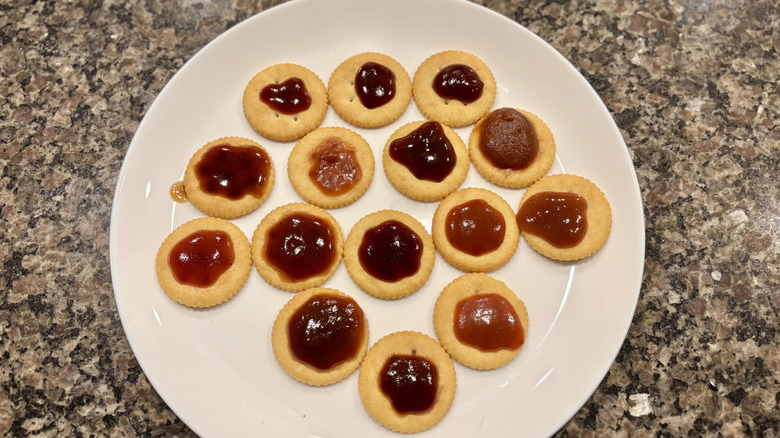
{"x":693,"y":86}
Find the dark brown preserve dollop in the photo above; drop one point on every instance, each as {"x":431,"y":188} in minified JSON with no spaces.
{"x":374,"y":85}
{"x":488,"y":322}
{"x":458,"y":81}
{"x":334,"y":166}
{"x":201,"y":258}
{"x":560,"y":218}
{"x":390,"y":251}
{"x":326,"y":330}
{"x":288,"y":97}
{"x":233,"y":171}
{"x":508,"y":139}
{"x":410,"y":382}
{"x":426,"y":152}
{"x":475,"y":227}
{"x":300,"y":246}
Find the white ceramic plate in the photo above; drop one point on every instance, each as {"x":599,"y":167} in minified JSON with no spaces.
{"x":215,"y":367}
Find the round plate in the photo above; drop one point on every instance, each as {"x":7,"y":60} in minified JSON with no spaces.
{"x":215,"y":367}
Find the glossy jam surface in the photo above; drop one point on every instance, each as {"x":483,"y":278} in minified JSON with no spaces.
{"x":334,"y":166}
{"x":475,"y":227}
{"x":233,"y":171}
{"x":410,"y":382}
{"x":488,"y":322}
{"x":390,"y":251}
{"x":288,"y":97}
{"x":201,"y":258}
{"x":508,"y":139}
{"x":326,"y":330}
{"x":374,"y":85}
{"x":300,"y":246}
{"x":458,"y":81}
{"x":560,"y":218}
{"x":177,"y":192}
{"x":426,"y":152}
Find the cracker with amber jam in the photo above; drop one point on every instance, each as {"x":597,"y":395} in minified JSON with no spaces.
{"x":472,"y":339}
{"x":203,"y":262}
{"x":475,"y":230}
{"x":331,"y":167}
{"x":565,"y":217}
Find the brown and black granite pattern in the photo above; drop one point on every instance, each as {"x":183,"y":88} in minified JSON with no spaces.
{"x":692,"y":84}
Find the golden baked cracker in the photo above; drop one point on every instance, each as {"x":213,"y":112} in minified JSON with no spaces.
{"x":599,"y":216}
{"x":420,"y":189}
{"x":273,"y":124}
{"x":509,"y":177}
{"x":463,"y":260}
{"x":226,"y":286}
{"x":346,"y":102}
{"x":377,"y":287}
{"x":273,"y":275}
{"x":300,"y":370}
{"x":444,"y":320}
{"x":302,"y":159}
{"x":452,"y":112}
{"x":220,"y":206}
{"x":379,"y":405}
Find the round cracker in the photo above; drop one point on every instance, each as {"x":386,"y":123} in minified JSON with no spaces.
{"x":278,"y":126}
{"x":463,"y":287}
{"x":509,"y":177}
{"x":419,"y":189}
{"x":300,"y":162}
{"x":452,"y":112}
{"x":379,"y":406}
{"x":226,"y":286}
{"x":345,"y":101}
{"x":270,"y":273}
{"x":377,"y":287}
{"x":468,"y":262}
{"x":219,"y":206}
{"x":598,"y":216}
{"x":302,"y":371}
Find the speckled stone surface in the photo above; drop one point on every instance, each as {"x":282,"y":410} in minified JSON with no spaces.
{"x":692,"y":84}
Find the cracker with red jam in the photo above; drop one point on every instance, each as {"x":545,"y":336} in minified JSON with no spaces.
{"x":407,"y":382}
{"x":425,"y":160}
{"x":284,"y":102}
{"x":369,"y":90}
{"x":389,"y":254}
{"x":229,"y":177}
{"x":331,"y":167}
{"x":297,"y":246}
{"x":454,"y":87}
{"x":320,"y":336}
{"x":204,"y":262}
